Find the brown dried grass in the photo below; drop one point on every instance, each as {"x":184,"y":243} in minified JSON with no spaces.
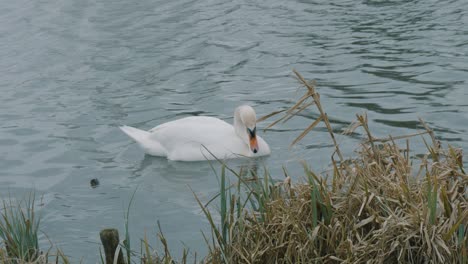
{"x":381,"y":206}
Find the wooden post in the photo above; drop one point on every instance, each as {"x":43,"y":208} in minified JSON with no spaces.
{"x":110,"y":241}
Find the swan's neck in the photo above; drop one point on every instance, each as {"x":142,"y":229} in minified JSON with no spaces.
{"x":240,"y":128}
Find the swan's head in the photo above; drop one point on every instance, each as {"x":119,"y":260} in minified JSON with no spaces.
{"x":248,"y":119}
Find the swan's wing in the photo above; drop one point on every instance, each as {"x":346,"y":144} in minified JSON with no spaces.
{"x":192,"y":121}
{"x":186,"y":138}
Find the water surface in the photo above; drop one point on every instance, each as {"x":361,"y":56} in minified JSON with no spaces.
{"x":72,"y":71}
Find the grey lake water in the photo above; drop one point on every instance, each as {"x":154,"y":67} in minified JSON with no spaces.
{"x":71,"y":72}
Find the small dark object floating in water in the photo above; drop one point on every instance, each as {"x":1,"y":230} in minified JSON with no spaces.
{"x":94,"y":182}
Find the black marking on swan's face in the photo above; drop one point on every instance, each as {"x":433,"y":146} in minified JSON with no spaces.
{"x":252,"y":132}
{"x":253,"y":139}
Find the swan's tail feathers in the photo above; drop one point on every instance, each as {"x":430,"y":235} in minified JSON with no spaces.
{"x":135,"y":133}
{"x":149,"y":145}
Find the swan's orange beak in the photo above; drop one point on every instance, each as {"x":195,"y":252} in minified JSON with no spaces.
{"x":254,"y":144}
{"x":253,"y":140}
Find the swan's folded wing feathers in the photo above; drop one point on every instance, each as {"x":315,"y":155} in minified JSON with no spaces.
{"x":185,"y":139}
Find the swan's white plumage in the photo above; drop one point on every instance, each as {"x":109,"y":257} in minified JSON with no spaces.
{"x":199,"y":138}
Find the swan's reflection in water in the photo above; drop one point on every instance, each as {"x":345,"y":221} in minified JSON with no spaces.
{"x":174,"y":181}
{"x":191,"y":172}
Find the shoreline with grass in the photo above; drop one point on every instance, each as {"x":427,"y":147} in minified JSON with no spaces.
{"x":381,"y":205}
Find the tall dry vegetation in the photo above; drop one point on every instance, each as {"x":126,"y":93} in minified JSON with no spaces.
{"x":381,"y":206}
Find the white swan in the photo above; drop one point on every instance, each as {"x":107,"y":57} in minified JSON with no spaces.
{"x":200,"y":138}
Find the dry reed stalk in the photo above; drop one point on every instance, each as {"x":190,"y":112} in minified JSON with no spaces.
{"x":301,"y":105}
